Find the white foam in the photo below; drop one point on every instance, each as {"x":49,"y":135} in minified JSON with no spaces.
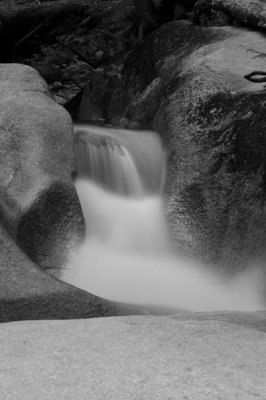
{"x":127,"y":257}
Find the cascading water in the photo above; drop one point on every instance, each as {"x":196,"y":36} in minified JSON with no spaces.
{"x":126,"y":162}
{"x":127,"y":254}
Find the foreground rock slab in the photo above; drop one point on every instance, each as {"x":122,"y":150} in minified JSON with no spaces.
{"x":188,"y":356}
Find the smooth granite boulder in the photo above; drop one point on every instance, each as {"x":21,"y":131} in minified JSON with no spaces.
{"x":182,"y":357}
{"x":39,"y":205}
{"x":189,"y":85}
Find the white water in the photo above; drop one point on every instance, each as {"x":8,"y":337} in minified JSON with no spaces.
{"x":127,"y":255}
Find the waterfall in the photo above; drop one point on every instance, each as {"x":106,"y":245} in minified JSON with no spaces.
{"x":129,"y":163}
{"x":127,"y":255}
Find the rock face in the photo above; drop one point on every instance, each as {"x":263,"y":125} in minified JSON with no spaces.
{"x":27,"y":292}
{"x":39,"y":207}
{"x":247,"y":12}
{"x":189,"y":85}
{"x":203,"y":357}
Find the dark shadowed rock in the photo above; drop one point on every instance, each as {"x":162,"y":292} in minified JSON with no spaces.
{"x":84,"y":35}
{"x":27,"y":292}
{"x":191,"y":356}
{"x":95,"y":98}
{"x":189,"y":85}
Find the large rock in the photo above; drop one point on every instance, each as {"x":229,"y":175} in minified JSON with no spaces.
{"x":189,"y":85}
{"x":196,"y":357}
{"x":39,"y":207}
